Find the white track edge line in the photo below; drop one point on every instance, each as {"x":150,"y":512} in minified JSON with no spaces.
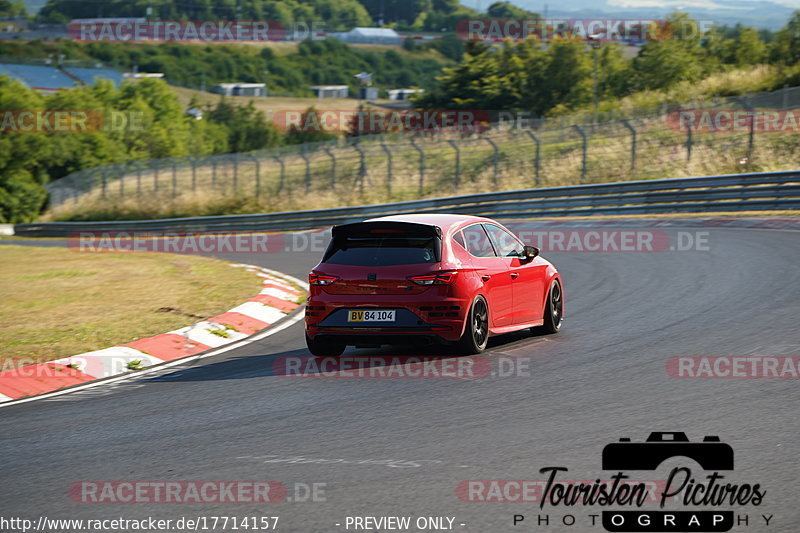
{"x":289,"y":321}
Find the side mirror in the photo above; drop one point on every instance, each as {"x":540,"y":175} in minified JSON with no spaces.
{"x":530,"y":252}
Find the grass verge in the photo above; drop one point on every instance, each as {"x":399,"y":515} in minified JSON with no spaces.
{"x":57,"y":302}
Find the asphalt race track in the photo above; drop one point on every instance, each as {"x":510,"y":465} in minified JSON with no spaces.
{"x":400,"y":447}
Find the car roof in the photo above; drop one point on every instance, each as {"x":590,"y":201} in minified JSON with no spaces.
{"x":444,"y":221}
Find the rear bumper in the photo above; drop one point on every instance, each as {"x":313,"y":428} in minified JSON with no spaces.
{"x":415,"y":322}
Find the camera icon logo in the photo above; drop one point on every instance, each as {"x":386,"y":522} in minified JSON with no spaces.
{"x":710,"y":454}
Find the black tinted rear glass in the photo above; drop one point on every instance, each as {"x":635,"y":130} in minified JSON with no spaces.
{"x":382,"y":250}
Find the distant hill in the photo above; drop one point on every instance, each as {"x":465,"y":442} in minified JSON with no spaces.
{"x":33,"y":6}
{"x":757,"y":13}
{"x":331,"y":15}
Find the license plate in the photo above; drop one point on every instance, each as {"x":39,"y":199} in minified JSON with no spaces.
{"x":375,"y":315}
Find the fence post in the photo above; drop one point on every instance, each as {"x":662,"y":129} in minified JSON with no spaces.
{"x":388,"y":168}
{"x":155,"y":174}
{"x":537,"y":163}
{"x":457,"y":180}
{"x":751,"y":134}
{"x":282,"y":180}
{"x":103,"y":181}
{"x":421,"y":165}
{"x":362,"y":170}
{"x":496,"y":158}
{"x":192,"y":161}
{"x":258,"y":173}
{"x":235,"y":158}
{"x":627,"y":124}
{"x":213,"y":172}
{"x":308,"y":167}
{"x":333,"y":166}
{"x":174,"y":177}
{"x":138,"y":180}
{"x":689,"y":142}
{"x":122,"y":182}
{"x":584,"y":149}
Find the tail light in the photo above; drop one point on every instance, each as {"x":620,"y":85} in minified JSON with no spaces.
{"x":439,"y":278}
{"x":315,"y":278}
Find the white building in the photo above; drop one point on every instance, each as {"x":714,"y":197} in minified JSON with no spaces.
{"x":241,"y":89}
{"x":330,"y":91}
{"x":403,"y":94}
{"x":369,"y":36}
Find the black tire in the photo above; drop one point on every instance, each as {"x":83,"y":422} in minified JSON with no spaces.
{"x":554,"y":309}
{"x":321,"y":348}
{"x":476,"y":331}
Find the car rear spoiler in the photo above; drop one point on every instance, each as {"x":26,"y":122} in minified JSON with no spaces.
{"x":388,"y":227}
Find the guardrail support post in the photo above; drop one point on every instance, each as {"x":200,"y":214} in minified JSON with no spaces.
{"x":155,"y":174}
{"x":627,"y":124}
{"x":421,"y":165}
{"x":583,"y":149}
{"x":495,"y":159}
{"x":213,"y":172}
{"x":457,"y":180}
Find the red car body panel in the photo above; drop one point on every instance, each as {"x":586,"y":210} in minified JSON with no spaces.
{"x":515,"y":289}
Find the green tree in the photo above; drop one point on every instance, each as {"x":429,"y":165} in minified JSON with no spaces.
{"x":745,"y":49}
{"x":309,"y":130}
{"x":247,"y":127}
{"x":662,"y":63}
{"x":785,"y":48}
{"x":507,"y":10}
{"x":12,"y":9}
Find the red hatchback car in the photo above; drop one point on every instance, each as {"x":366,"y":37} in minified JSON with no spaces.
{"x":453,"y":279}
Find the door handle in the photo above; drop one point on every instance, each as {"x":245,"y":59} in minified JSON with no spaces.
{"x":514,"y":275}
{"x":486,"y":277}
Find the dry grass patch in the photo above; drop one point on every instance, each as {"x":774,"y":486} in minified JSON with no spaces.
{"x":56,"y":302}
{"x":274,"y":104}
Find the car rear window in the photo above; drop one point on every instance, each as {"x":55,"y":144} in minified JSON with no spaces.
{"x":382,"y":250}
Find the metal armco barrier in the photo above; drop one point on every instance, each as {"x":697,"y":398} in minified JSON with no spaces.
{"x":735,"y":192}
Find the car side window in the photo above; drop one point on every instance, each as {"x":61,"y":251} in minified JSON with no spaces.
{"x":505,"y":243}
{"x":459,"y":238}
{"x":477,"y":242}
